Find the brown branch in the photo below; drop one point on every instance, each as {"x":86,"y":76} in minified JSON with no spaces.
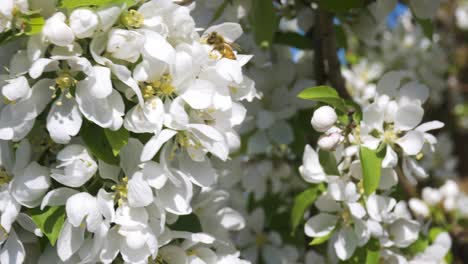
{"x":184,"y":2}
{"x":409,"y":189}
{"x":327,"y":64}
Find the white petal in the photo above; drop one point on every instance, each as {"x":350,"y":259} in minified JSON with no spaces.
{"x":107,"y":171}
{"x":408,"y":117}
{"x":129,"y":156}
{"x":154,"y":144}
{"x":69,"y":241}
{"x":414,"y":91}
{"x":176,"y":197}
{"x":320,"y":225}
{"x":200,"y":173}
{"x":428,"y":126}
{"x":81,"y":206}
{"x":13,"y":250}
{"x":64,"y":121}
{"x":139,"y":192}
{"x":154,"y":174}
{"x":29,"y":187}
{"x":57,"y":197}
{"x":391,"y":158}
{"x":41,"y":65}
{"x":404,"y":232}
{"x":345,"y":243}
{"x":412,"y":142}
{"x":157,"y":47}
{"x":388,"y":179}
{"x":199,"y":94}
{"x":103,"y":86}
{"x":57,"y":32}
{"x":16,"y":89}
{"x":230,"y":70}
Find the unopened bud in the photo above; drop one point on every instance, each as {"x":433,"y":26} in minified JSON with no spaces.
{"x":329,"y":142}
{"x":431,"y":196}
{"x":419,"y":208}
{"x":324,"y":118}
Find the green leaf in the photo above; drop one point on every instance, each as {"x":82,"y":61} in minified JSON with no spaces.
{"x":340,"y":6}
{"x":303,"y":201}
{"x":324,"y":94}
{"x":72,"y":4}
{"x":417,"y":247}
{"x":434,"y":232}
{"x":264,"y":22}
{"x":293,"y":39}
{"x":117,"y":139}
{"x":34,"y":24}
{"x":95,"y":139}
{"x":373,"y":252}
{"x":50,"y":221}
{"x":320,"y":240}
{"x":328,"y":161}
{"x":371,"y":163}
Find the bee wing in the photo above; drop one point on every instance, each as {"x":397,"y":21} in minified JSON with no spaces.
{"x":235,"y":46}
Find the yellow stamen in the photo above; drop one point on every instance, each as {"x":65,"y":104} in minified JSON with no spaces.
{"x":132,"y":19}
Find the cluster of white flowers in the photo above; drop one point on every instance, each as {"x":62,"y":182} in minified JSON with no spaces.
{"x":133,"y":106}
{"x":403,"y":48}
{"x":349,"y":217}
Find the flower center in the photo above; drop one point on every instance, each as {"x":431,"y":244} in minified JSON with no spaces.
{"x":65,"y":82}
{"x":132,"y":19}
{"x":346,"y":216}
{"x":389,"y":136}
{"x":4,"y":177}
{"x":162,"y":87}
{"x":121,"y":191}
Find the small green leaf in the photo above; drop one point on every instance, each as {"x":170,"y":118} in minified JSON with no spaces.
{"x":303,"y":201}
{"x":324,"y":94}
{"x":95,"y":139}
{"x":293,"y":39}
{"x":417,"y":247}
{"x":117,"y":139}
{"x":50,"y":221}
{"x":320,"y":240}
{"x":72,"y":4}
{"x":434,"y":232}
{"x":371,"y":163}
{"x":373,"y":252}
{"x":328,"y":161}
{"x":34,"y":24}
{"x":264,"y":22}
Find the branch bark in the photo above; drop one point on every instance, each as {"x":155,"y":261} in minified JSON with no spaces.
{"x":327,"y":65}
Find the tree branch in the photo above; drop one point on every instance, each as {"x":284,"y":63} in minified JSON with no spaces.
{"x":326,"y":62}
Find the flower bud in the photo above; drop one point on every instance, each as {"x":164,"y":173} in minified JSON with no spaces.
{"x":431,"y":196}
{"x":419,"y":208}
{"x":84,"y":23}
{"x":329,"y":142}
{"x":324,"y":118}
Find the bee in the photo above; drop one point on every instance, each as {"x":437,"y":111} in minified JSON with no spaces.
{"x":225,"y":48}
